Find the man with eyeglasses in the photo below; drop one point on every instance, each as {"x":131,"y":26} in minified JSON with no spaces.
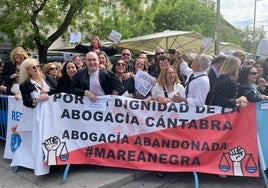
{"x":91,"y":81}
{"x":126,"y":57}
{"x":158,"y":53}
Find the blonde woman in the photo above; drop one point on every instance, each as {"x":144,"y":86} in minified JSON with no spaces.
{"x":79,"y":61}
{"x":168,"y":86}
{"x":104,"y":61}
{"x":224,"y":91}
{"x":96,"y":46}
{"x":11,"y":71}
{"x":33,"y":85}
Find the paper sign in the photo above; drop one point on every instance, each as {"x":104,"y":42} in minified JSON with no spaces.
{"x":75,"y":37}
{"x":143,"y":82}
{"x":264,"y":105}
{"x":115,"y":36}
{"x":262,"y":49}
{"x":98,"y":105}
{"x":206,"y":43}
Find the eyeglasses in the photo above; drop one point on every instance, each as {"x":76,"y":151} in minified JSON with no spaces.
{"x":253,"y":73}
{"x":125,"y":54}
{"x":53,"y":68}
{"x":140,"y":64}
{"x":120,"y":64}
{"x":159,"y":53}
{"x":35,"y":67}
{"x":163,"y":61}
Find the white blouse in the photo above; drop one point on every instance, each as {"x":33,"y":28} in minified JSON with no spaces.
{"x":38,"y":87}
{"x":158,"y":90}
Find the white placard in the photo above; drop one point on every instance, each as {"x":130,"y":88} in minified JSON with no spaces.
{"x":262,"y":49}
{"x":143,"y":82}
{"x":98,"y":105}
{"x":264,"y":105}
{"x":75,"y":37}
{"x":115,"y":36}
{"x":206,"y":43}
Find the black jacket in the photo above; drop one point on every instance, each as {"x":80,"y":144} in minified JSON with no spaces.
{"x":8,"y":70}
{"x":110,"y":51}
{"x":63,"y":85}
{"x":212,"y":77}
{"x":27,"y":88}
{"x":247,"y":90}
{"x":223,"y":93}
{"x":108,"y":81}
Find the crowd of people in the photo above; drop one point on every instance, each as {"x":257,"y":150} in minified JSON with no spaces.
{"x":228,"y":81}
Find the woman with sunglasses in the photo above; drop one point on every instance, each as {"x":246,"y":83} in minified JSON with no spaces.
{"x":140,"y":65}
{"x":34,"y":86}
{"x":162,"y":62}
{"x":247,"y":87}
{"x":52,"y":71}
{"x":119,"y":68}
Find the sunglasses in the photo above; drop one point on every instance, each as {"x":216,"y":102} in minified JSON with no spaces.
{"x":163,"y":61}
{"x":35,"y":67}
{"x":53,"y":68}
{"x":253,"y":73}
{"x":140,"y":64}
{"x":120,"y":64}
{"x":159,"y":53}
{"x":124,"y":54}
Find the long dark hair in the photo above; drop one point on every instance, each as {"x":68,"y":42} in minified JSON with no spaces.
{"x":243,"y":74}
{"x":64,"y":71}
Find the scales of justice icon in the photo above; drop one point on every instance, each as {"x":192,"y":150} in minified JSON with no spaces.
{"x":225,"y":165}
{"x":64,"y":154}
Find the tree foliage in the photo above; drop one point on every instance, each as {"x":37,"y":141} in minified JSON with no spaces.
{"x":31,"y":22}
{"x":37,"y":24}
{"x":184,"y":15}
{"x":126,"y":16}
{"x":248,"y":42}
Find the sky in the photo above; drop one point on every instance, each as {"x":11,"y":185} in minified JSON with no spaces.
{"x":240,"y":13}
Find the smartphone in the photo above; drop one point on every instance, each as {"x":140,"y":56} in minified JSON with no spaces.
{"x":171,"y":51}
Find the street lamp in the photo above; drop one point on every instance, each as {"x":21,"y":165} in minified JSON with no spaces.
{"x":254,"y":21}
{"x":217,"y":34}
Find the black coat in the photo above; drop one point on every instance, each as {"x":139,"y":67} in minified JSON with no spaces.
{"x":64,"y":85}
{"x":27,"y":88}
{"x":223,"y":93}
{"x":108,"y":81}
{"x":212,"y":77}
{"x":247,"y":90}
{"x":8,"y":70}
{"x":110,"y":51}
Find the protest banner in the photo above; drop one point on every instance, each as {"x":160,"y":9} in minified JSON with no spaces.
{"x":130,"y":133}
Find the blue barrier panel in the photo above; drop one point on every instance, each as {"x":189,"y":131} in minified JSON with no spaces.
{"x":3,"y":116}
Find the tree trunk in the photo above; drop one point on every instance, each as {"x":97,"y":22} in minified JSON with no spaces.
{"x":42,"y":54}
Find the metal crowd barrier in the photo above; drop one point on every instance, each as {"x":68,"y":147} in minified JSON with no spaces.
{"x":3,"y":116}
